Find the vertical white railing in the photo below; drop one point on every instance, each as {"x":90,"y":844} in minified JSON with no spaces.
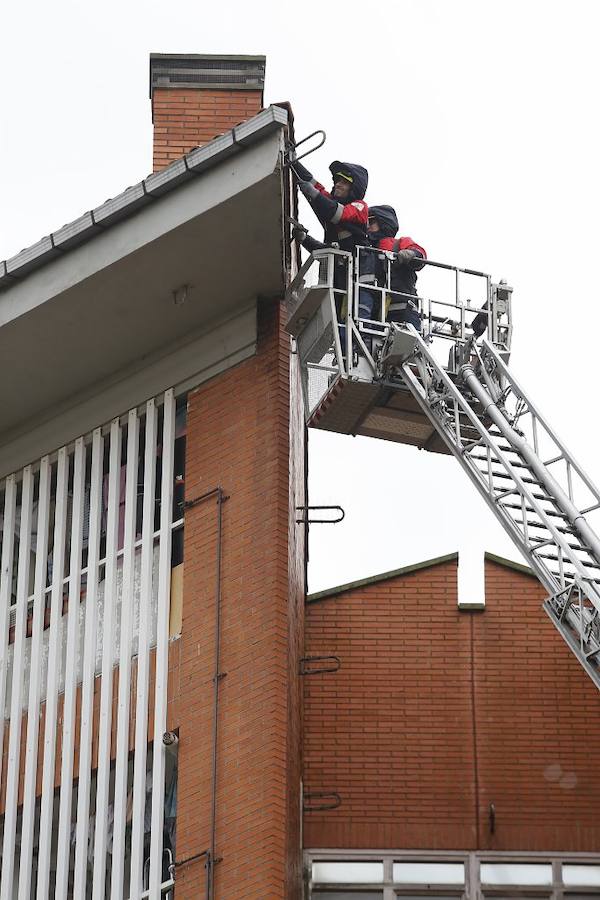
{"x":162,"y":647}
{"x":58,"y":571}
{"x":110,"y":591}
{"x":63,"y":853}
{"x":33,"y":707}
{"x":74,"y":548}
{"x":16,"y":704}
{"x":8,"y":546}
{"x":86,"y":720}
{"x":143,"y":661}
{"x":127,"y":614}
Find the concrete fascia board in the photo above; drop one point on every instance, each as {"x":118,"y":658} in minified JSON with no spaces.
{"x":176,"y":207}
{"x":124,"y":205}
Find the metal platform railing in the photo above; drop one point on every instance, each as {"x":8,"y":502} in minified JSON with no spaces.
{"x":332,"y":338}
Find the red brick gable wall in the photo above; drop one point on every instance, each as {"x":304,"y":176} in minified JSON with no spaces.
{"x":437,"y":713}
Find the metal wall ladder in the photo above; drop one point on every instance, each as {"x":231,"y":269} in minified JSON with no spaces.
{"x":524,"y":472}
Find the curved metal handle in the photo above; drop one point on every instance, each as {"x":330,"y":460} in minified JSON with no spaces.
{"x":333,"y":664}
{"x":292,"y":146}
{"x":331,"y":800}
{"x":306,"y":521}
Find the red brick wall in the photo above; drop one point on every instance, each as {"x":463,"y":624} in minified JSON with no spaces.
{"x":538,"y":725}
{"x":436,"y":713}
{"x":185,"y":118}
{"x":391,"y":730}
{"x":238,"y":437}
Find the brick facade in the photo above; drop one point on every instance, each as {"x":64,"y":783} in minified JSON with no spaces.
{"x":185,"y":118}
{"x":437,"y":713}
{"x":245,"y":433}
{"x":238,"y":437}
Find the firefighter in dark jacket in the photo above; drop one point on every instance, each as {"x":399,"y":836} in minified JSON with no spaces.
{"x":344,"y":215}
{"x":383,"y":227}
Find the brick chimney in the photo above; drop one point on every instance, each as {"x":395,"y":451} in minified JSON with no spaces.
{"x":196,"y":97}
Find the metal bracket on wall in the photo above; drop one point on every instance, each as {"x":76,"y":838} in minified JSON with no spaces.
{"x":329,"y":804}
{"x":492,"y":815}
{"x":220,"y":498}
{"x":332,"y":664}
{"x":305,"y":510}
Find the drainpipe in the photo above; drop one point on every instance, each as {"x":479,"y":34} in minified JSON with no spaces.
{"x":218,"y":676}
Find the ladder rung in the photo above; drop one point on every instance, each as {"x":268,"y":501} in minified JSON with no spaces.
{"x":497,"y":462}
{"x":506,"y":448}
{"x":506,"y":475}
{"x":578,"y":547}
{"x":567,"y":562}
{"x":546,"y":498}
{"x":570,"y":576}
{"x":541,"y":524}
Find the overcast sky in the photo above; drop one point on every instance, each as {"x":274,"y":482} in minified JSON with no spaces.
{"x":477,"y":120}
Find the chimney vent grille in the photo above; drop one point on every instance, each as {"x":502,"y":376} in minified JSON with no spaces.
{"x":217,"y":72}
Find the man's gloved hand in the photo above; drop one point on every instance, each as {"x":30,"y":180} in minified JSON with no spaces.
{"x":300,"y":171}
{"x":299,"y":233}
{"x":308,"y":189}
{"x":405,"y":256}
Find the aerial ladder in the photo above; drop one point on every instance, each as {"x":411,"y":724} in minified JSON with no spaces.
{"x":449,"y":390}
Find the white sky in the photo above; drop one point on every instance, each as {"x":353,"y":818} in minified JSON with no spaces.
{"x":477,"y":120}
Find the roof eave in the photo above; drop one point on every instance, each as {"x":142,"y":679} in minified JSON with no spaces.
{"x":133,"y":198}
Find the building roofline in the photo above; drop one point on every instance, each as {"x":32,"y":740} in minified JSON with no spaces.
{"x":126,"y":204}
{"x":509,"y":564}
{"x":384,"y":576}
{"x":415,"y":567}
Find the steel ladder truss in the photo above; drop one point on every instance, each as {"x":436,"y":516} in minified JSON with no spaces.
{"x":528,"y":478}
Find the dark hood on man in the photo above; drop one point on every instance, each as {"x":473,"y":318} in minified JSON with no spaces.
{"x":387,"y":218}
{"x":356,"y":175}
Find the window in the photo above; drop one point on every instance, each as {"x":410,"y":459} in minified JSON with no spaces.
{"x":429,"y":873}
{"x":348,"y":872}
{"x":500,"y":873}
{"x":452,"y":876}
{"x":348,"y":895}
{"x":581,"y":876}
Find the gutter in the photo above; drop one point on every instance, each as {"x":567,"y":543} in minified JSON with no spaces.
{"x":147,"y":191}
